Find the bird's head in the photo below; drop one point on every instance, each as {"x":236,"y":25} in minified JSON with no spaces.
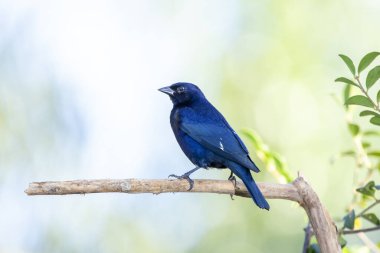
{"x":182,"y":93}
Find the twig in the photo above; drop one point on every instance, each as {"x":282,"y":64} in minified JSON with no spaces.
{"x":298,"y":191}
{"x":375,"y":105}
{"x":306,"y":242}
{"x":367,"y":209}
{"x":364,"y":230}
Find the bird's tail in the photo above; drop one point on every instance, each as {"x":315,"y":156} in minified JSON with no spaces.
{"x":245,"y":175}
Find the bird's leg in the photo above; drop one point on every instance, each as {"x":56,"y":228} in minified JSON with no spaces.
{"x":187,"y":177}
{"x":232,"y":178}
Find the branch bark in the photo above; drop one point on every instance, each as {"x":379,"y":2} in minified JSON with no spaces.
{"x":298,"y":191}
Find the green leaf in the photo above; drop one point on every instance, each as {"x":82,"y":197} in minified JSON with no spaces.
{"x":346,"y":80}
{"x":367,"y":60}
{"x":366,"y":144}
{"x":346,"y":94}
{"x":378,"y":96}
{"x":359,"y":100}
{"x":374,"y":153}
{"x":254,"y":138}
{"x":313,"y":248}
{"x":367,"y":113}
{"x":348,"y":153}
{"x":281,"y":167}
{"x":368,"y":189}
{"x":371,"y":133}
{"x":342,"y":241}
{"x":348,"y":62}
{"x":371,"y":217}
{"x":354,"y":129}
{"x":375,"y":120}
{"x":349,"y":220}
{"x":372,"y":77}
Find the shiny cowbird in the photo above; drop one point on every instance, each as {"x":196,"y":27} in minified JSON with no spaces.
{"x":207,"y":139}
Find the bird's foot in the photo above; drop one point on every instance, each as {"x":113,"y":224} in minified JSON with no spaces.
{"x":185,"y":176}
{"x":232,"y":178}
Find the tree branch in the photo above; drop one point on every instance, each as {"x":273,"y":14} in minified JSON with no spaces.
{"x":321,"y":222}
{"x":298,"y":191}
{"x":157,"y":186}
{"x":306,"y":241}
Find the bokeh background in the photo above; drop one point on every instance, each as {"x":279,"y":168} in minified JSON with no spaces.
{"x":79,"y":100}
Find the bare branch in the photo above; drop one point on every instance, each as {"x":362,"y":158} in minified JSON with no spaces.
{"x":321,"y":222}
{"x":298,"y":191}
{"x":157,"y":186}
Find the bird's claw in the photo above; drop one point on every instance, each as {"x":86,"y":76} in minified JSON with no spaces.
{"x":175,"y":176}
{"x":232,"y":178}
{"x":184,"y":176}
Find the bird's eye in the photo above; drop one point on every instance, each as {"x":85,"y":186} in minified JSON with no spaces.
{"x":180,"y":90}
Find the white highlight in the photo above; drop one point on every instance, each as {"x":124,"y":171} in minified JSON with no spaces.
{"x":221,"y":145}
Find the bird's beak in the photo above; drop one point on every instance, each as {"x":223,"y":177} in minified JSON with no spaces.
{"x":167,"y":90}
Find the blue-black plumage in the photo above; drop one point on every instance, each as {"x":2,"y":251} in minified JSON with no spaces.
{"x":207,"y":139}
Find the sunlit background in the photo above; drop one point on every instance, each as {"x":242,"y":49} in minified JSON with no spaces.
{"x":79,"y":100}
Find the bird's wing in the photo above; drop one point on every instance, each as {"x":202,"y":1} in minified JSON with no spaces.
{"x":220,"y":139}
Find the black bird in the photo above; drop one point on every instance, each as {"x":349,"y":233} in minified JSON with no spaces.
{"x":207,"y":139}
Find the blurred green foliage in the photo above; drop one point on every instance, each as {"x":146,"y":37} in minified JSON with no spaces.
{"x":274,"y":163}
{"x":365,"y":155}
{"x":276,"y":166}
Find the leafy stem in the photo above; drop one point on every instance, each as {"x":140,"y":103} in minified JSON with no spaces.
{"x":365,"y":92}
{"x":364,"y":186}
